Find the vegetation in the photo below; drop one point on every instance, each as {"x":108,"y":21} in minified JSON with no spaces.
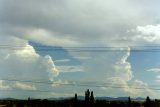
{"x":89,"y":101}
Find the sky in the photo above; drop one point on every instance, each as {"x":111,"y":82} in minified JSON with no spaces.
{"x":55,"y":48}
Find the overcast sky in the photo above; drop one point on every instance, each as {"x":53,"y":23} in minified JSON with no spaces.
{"x":40,"y":40}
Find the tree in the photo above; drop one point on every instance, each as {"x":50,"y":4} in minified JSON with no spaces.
{"x":129,"y":101}
{"x":148,"y":102}
{"x":75,"y":97}
{"x":148,"y":99}
{"x":92,"y":98}
{"x":87,"y":95}
{"x":75,"y":100}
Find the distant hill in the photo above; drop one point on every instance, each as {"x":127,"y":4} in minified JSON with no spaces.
{"x":119,"y":98}
{"x":113,"y":99}
{"x":96,"y":98}
{"x":139,"y":99}
{"x":8,"y":99}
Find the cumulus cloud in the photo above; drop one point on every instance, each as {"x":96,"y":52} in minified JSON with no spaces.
{"x":51,"y":68}
{"x":21,"y":62}
{"x":139,"y":88}
{"x":123,"y":65}
{"x":136,"y":88}
{"x":149,"y":33}
{"x":110,"y":64}
{"x":26,"y":62}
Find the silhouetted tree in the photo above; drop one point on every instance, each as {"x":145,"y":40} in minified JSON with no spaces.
{"x":148,"y":99}
{"x":129,"y":101}
{"x":75,"y":100}
{"x":75,"y":97}
{"x":87,"y":97}
{"x":148,"y":102}
{"x":28,"y":103}
{"x":92,"y":98}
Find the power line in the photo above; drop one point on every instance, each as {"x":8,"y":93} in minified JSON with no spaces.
{"x":85,"y":49}
{"x":94,"y":50}
{"x":73,"y":47}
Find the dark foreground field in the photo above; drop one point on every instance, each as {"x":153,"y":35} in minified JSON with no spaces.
{"x":77,"y":103}
{"x":88,"y":101}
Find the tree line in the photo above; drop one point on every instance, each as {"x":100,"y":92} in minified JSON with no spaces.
{"x":89,"y":101}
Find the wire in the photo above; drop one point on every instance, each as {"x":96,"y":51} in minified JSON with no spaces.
{"x":86,"y":49}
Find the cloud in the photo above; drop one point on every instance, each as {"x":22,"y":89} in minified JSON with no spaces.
{"x":51,"y":68}
{"x":62,"y":61}
{"x":80,"y":23}
{"x":123,"y":66}
{"x":145,"y":91}
{"x":158,"y":77}
{"x":70,"y":68}
{"x":24,"y":86}
{"x":26,"y":62}
{"x":110,"y":64}
{"x":68,"y":23}
{"x":136,"y":88}
{"x":57,"y":83}
{"x":3,"y":85}
{"x":156,"y":70}
{"x":149,"y":33}
{"x":23,"y":63}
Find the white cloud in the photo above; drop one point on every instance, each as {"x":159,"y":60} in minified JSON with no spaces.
{"x":149,"y":33}
{"x":48,"y":38}
{"x":23,"y":63}
{"x":157,"y":71}
{"x":123,"y":66}
{"x":154,"y":70}
{"x":82,"y":57}
{"x":24,"y":86}
{"x":51,"y":68}
{"x":139,"y":88}
{"x":143,"y":35}
{"x":3,"y":85}
{"x":136,"y":88}
{"x":26,"y":62}
{"x":62,"y":61}
{"x":107,"y":64}
{"x":57,"y":83}
{"x":70,"y":68}
{"x":158,"y":77}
